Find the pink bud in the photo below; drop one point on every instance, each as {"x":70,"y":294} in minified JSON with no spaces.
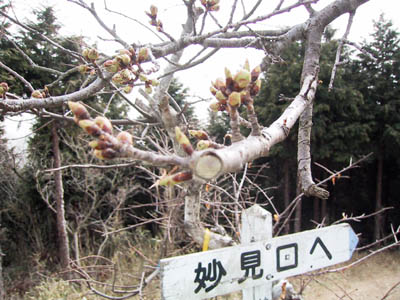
{"x":79,"y":110}
{"x":37,"y":94}
{"x":125,"y":138}
{"x":104,"y":124}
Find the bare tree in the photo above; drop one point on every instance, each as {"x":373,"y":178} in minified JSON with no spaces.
{"x":59,"y":200}
{"x":137,"y":67}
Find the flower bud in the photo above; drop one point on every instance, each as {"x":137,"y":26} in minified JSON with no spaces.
{"x":124,"y":59}
{"x":255,"y":88}
{"x":159,"y":25}
{"x":213,"y":2}
{"x":213,"y":90}
{"x":104,"y":124}
{"x":37,"y":94}
{"x":220,"y":97}
{"x":215,"y":106}
{"x":255,"y":73}
{"x":219,"y":84}
{"x":242,"y":78}
{"x":153,"y":11}
{"x":108,"y":153}
{"x":199,"y":134}
{"x":234,"y":99}
{"x":83,"y":69}
{"x":93,"y":54}
{"x":124,"y":51}
{"x":125,"y":137}
{"x":203,"y":144}
{"x":228,"y":77}
{"x":173,"y":179}
{"x":126,"y":75}
{"x":90,"y":127}
{"x":143,"y":54}
{"x":148,"y":89}
{"x":127,"y":89}
{"x":85,"y":53}
{"x":100,"y":144}
{"x":117,"y":78}
{"x":143,"y":77}
{"x":111,"y":66}
{"x":3,"y":88}
{"x":214,"y":8}
{"x":79,"y":110}
{"x":154,"y":82}
{"x":182,"y":139}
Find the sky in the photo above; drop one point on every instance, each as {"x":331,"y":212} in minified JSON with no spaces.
{"x":77,"y":21}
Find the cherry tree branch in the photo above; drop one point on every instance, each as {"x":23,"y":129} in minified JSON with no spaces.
{"x":339,"y":49}
{"x":21,"y":78}
{"x":93,"y":11}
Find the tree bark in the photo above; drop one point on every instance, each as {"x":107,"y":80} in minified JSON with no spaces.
{"x":316,"y":210}
{"x":324,"y":211}
{"x":64,"y":255}
{"x":2,"y":291}
{"x":378,"y":197}
{"x":297,"y":215}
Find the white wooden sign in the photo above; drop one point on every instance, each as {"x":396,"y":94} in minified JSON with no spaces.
{"x":207,"y":274}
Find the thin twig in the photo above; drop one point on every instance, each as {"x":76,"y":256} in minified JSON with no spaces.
{"x":390,"y":290}
{"x":339,"y":49}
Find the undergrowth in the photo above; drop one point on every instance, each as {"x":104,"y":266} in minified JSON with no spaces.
{"x":130,"y":256}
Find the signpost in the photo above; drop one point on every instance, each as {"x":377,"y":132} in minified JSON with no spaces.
{"x":252,"y":266}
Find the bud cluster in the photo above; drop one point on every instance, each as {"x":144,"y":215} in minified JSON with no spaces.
{"x":236,"y":89}
{"x":127,"y":68}
{"x":90,"y":54}
{"x":105,"y":146}
{"x":210,"y":5}
{"x":203,"y":140}
{"x":154,"y":21}
{"x":3,"y":89}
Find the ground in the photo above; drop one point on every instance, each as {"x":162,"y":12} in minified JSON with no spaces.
{"x":372,"y":280}
{"x":369,"y":280}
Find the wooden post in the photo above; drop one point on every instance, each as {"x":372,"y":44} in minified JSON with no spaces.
{"x":256,"y":226}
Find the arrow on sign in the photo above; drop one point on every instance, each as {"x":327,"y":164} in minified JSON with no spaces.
{"x":318,"y":241}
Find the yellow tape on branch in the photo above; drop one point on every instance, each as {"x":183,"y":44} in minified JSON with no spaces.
{"x":206,"y":239}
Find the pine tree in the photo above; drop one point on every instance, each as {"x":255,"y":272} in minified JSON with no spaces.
{"x":377,"y":77}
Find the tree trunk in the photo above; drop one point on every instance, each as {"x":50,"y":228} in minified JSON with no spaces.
{"x":316,"y":209}
{"x":286,"y":191}
{"x":2,"y":291}
{"x":378,"y":198}
{"x":324,"y":212}
{"x":59,"y":199}
{"x":297,"y":221}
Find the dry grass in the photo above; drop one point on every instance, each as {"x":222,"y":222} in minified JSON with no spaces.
{"x":370,"y":280}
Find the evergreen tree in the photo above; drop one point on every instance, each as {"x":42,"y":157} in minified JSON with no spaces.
{"x":337,"y":136}
{"x":377,"y":78}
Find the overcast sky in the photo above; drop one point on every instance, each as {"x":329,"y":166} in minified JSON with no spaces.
{"x":78,"y":21}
